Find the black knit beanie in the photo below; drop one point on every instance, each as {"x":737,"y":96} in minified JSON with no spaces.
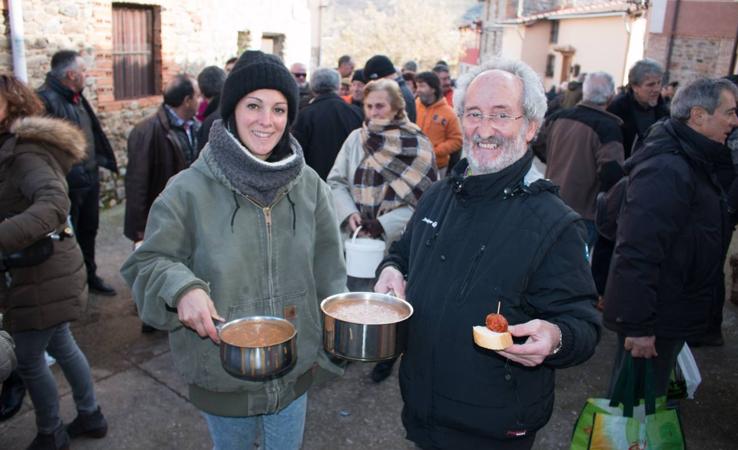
{"x":378,"y":66}
{"x":358,"y":75}
{"x":257,"y":70}
{"x":432,"y":80}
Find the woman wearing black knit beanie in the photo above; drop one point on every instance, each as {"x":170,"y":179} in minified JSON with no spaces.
{"x":247,"y":230}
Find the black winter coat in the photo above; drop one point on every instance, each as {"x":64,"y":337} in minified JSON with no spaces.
{"x":322,"y":127}
{"x":473,"y":242}
{"x":672,"y":237}
{"x":409,"y":99}
{"x":58,"y":100}
{"x":624,"y":106}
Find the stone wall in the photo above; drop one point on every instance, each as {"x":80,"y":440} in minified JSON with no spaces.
{"x":704,"y":34}
{"x":692,"y":57}
{"x":193,"y":34}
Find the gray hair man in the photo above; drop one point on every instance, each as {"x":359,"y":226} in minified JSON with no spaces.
{"x":325,"y":123}
{"x":640,"y":105}
{"x":583,"y":149}
{"x":63,"y":97}
{"x":325,"y":81}
{"x":666,"y":282}
{"x":491,"y":236}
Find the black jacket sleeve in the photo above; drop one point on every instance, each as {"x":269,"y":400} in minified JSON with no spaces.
{"x":561,"y":291}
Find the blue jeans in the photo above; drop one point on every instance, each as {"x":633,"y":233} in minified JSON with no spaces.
{"x":279,"y":431}
{"x":32,"y":367}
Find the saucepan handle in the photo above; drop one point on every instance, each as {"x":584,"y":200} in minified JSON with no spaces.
{"x":218,"y":324}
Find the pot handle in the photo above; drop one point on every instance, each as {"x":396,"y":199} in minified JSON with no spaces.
{"x":218,"y":324}
{"x":356,"y":233}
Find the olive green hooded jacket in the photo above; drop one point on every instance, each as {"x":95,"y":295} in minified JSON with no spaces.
{"x":279,"y":259}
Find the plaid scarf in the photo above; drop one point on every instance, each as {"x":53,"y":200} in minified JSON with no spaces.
{"x":397,"y":168}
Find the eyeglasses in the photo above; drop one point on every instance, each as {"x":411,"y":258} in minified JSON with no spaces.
{"x":299,"y":75}
{"x":501,"y":118}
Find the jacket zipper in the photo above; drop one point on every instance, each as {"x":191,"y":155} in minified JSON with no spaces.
{"x":467,"y":279}
{"x":267,"y":211}
{"x":271,"y":387}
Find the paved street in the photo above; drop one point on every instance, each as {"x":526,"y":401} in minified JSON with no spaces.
{"x":147,"y":408}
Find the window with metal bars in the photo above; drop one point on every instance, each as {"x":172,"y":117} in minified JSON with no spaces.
{"x":134,"y":60}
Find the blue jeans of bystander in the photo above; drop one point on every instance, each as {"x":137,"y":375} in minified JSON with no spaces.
{"x":279,"y":431}
{"x":60,"y":344}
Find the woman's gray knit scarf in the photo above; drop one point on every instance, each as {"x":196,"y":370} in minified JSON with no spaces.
{"x":260,"y":180}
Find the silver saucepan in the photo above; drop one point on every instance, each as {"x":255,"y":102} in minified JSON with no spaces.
{"x":257,"y":348}
{"x":365,"y":326}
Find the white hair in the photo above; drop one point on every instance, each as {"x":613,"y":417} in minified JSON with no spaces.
{"x":598,"y":88}
{"x":534,"y":97}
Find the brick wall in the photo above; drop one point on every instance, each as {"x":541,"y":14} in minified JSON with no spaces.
{"x":191,"y":34}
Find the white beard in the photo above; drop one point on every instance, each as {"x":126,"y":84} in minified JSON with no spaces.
{"x":510,"y":151}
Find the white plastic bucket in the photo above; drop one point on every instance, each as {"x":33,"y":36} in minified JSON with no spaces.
{"x":363,"y":255}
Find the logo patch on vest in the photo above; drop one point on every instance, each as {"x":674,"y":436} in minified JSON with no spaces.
{"x":430,"y":222}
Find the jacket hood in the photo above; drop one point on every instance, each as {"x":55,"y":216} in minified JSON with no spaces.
{"x":670,"y":135}
{"x":600,"y":109}
{"x":64,"y":141}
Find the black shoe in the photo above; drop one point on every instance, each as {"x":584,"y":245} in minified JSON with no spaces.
{"x":56,"y":440}
{"x":147,"y":329}
{"x":100,"y":287}
{"x":382,"y":370}
{"x":11,"y":398}
{"x":91,"y":425}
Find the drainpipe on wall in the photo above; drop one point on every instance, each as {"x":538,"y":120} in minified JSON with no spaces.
{"x":731,"y":70}
{"x":671,"y":39}
{"x":15,"y":10}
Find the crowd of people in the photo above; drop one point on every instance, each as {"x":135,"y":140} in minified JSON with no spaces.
{"x":243,"y":184}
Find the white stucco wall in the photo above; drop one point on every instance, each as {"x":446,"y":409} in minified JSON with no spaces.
{"x":288,"y":17}
{"x":536,"y":46}
{"x":512,"y":41}
{"x":601,"y":44}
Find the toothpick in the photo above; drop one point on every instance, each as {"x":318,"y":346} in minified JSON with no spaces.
{"x":498,"y":306}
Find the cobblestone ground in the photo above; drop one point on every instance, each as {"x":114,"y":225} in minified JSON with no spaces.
{"x":146,"y":404}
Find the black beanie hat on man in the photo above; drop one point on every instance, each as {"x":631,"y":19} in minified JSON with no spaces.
{"x":378,"y":66}
{"x":256,"y":70}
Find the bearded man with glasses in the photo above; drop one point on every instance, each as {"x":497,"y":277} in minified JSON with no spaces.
{"x":492,"y":233}
{"x":299,"y":73}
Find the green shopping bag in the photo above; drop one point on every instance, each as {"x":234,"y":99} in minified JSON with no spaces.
{"x":624,"y":423}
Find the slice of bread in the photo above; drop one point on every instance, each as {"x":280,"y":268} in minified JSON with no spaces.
{"x":484,"y":337}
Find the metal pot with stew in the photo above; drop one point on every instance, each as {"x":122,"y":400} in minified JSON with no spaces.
{"x":258,"y":348}
{"x":365,"y":326}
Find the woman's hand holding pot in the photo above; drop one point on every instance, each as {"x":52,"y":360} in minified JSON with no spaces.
{"x":197,"y":311}
{"x":391,"y":281}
